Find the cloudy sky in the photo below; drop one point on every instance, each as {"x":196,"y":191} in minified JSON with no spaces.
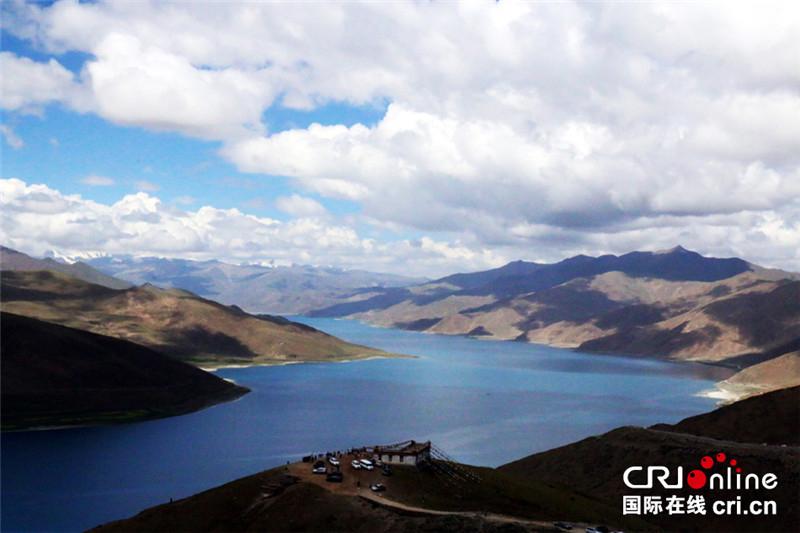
{"x":401,"y":136}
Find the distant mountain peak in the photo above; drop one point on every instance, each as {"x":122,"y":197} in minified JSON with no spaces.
{"x":11,"y":259}
{"x":674,"y":250}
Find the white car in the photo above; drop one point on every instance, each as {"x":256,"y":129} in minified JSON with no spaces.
{"x":319,"y":470}
{"x":366,"y":464}
{"x":334,"y":461}
{"x":356,"y":464}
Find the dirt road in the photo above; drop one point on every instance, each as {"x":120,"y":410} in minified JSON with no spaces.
{"x":357,"y":483}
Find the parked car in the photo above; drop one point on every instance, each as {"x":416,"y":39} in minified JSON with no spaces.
{"x":366,"y":464}
{"x":597,"y":529}
{"x":334,"y":461}
{"x":564,"y":526}
{"x":377,"y":487}
{"x":356,"y":464}
{"x":334,"y":477}
{"x":386,"y":470}
{"x":319,"y":470}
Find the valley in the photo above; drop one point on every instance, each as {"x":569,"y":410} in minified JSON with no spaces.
{"x":682,"y":321}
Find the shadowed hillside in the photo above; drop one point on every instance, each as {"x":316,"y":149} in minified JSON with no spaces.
{"x":291,"y":498}
{"x":772,"y":418}
{"x":594,"y":466}
{"x":243,"y":505}
{"x":56,"y":376}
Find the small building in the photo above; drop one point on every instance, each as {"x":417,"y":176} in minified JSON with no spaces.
{"x":404,"y":453}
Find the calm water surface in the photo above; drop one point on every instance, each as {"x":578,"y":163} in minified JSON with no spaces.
{"x":483,"y":402}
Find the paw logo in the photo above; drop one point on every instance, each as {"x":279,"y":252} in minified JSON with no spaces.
{"x":697,"y":478}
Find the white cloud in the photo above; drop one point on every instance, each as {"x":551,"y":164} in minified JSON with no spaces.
{"x":28,"y":85}
{"x":300,"y":206}
{"x":36,"y":218}
{"x":425,"y":171}
{"x":140,"y":84}
{"x":97,"y":181}
{"x":517,"y":127}
{"x":11,"y":138}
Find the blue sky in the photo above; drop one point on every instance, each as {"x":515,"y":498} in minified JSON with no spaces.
{"x":407,"y":136}
{"x":62,"y":147}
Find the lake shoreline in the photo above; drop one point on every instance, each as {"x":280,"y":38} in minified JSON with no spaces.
{"x":130,"y":417}
{"x":225,"y":366}
{"x":728,"y":369}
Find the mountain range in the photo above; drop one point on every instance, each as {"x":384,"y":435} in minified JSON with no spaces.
{"x":286,"y":290}
{"x":14,"y":260}
{"x":675,"y":303}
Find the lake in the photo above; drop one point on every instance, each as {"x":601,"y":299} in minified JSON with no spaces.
{"x":483,"y":402}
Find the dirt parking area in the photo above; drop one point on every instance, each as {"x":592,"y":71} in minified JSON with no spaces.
{"x":355,"y":481}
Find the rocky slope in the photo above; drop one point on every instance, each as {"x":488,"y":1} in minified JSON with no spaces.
{"x":773,"y":374}
{"x":174,"y":322}
{"x":58,"y":376}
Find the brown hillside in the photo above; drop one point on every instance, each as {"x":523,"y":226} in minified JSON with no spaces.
{"x":173,"y":322}
{"x":772,"y":418}
{"x":755,"y":319}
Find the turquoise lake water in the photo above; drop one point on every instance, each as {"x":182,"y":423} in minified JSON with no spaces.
{"x":483,"y":402}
